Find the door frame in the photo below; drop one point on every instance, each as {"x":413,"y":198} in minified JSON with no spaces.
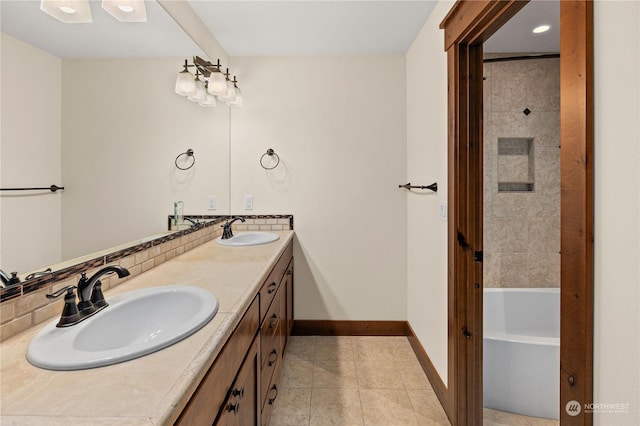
{"x":467,"y":26}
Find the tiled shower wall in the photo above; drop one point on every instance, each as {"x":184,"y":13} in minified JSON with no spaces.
{"x":522,"y":229}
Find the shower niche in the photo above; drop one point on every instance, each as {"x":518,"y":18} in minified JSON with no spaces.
{"x":516,"y":168}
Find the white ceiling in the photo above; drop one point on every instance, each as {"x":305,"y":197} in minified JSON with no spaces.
{"x":516,"y":35}
{"x":295,"y":27}
{"x":274,"y":28}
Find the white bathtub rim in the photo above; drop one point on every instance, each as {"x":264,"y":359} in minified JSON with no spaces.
{"x":517,"y":338}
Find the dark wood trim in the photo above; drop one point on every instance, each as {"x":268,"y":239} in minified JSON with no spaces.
{"x":432,"y":374}
{"x":348,"y":328}
{"x":468,"y":24}
{"x":576,"y":208}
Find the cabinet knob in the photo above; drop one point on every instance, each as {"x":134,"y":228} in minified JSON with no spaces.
{"x":275,"y":395}
{"x":238,"y":392}
{"x":233,"y":408}
{"x":272,"y":358}
{"x":274,"y":321}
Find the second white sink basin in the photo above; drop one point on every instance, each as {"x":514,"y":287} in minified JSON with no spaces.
{"x":249,"y":239}
{"x":134,"y":324}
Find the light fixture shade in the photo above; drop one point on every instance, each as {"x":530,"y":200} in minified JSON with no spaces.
{"x":209,"y":102}
{"x":217,"y":84}
{"x":126,"y":10}
{"x":238,"y":101}
{"x":185,"y":84}
{"x":230,"y":94}
{"x":68,"y":11}
{"x":201,"y":92}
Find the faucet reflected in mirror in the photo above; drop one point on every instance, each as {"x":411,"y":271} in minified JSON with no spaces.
{"x":90,"y":297}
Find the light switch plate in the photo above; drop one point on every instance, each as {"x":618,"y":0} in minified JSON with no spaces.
{"x":443,"y":210}
{"x":248,"y":202}
{"x":211,"y":202}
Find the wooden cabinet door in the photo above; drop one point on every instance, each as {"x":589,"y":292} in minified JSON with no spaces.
{"x":241,"y":407}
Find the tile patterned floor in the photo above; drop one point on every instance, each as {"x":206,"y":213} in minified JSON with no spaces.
{"x":366,"y":381}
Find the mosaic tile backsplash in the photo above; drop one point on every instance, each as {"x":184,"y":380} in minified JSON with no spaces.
{"x":23,"y":306}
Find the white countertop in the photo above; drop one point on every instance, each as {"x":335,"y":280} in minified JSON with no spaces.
{"x":154,"y":389}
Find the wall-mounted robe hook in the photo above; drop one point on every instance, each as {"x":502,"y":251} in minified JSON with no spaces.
{"x":188,"y":153}
{"x":433,"y":187}
{"x":270,"y":152}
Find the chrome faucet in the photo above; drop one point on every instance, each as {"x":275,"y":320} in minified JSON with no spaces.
{"x":90,"y":297}
{"x":226,"y":228}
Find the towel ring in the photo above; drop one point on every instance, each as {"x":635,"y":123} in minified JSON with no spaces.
{"x":189,"y":153}
{"x":270,"y":152}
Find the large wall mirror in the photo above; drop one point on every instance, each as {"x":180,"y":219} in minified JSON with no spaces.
{"x":92,"y":107}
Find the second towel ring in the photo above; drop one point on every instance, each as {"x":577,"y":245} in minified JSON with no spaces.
{"x":189,"y":153}
{"x":270,"y":152}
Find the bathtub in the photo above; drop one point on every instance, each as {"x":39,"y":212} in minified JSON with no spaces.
{"x":521,"y":366}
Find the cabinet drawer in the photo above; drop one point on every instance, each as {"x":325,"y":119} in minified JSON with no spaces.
{"x":203,"y":407}
{"x":271,"y":330}
{"x":241,"y":406}
{"x":271,"y":395}
{"x":272,"y":283}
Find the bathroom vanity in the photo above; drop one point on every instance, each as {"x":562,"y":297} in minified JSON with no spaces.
{"x":226,"y":373}
{"x":242,"y":385}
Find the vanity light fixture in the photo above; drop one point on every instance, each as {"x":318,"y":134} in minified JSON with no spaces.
{"x":126,"y":10}
{"x":201,"y":91}
{"x":238,"y":100}
{"x":185,"y":83}
{"x":68,"y":11}
{"x":541,"y":29}
{"x":217,"y":81}
{"x":216,"y":84}
{"x":210,"y":100}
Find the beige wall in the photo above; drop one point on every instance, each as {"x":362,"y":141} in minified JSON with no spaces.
{"x":617,"y":211}
{"x":522,"y":229}
{"x":30,"y":156}
{"x":617,"y":199}
{"x":123,"y":127}
{"x":427,"y":163}
{"x":338,"y":125}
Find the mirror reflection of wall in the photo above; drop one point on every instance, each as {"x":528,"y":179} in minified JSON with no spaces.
{"x":104,"y":122}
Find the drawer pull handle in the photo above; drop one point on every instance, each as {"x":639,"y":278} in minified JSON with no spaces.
{"x":289,"y":272}
{"x":238,"y":392}
{"x":274,"y":321}
{"x":273,"y":361}
{"x":272,"y":287}
{"x":233,"y":408}
{"x":273,"y":388}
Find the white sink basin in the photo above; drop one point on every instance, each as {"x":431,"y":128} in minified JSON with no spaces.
{"x":134,"y":324}
{"x":249,"y":239}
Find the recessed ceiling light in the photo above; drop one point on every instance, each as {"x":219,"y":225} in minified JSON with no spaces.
{"x":68,"y":11}
{"x":541,"y":29}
